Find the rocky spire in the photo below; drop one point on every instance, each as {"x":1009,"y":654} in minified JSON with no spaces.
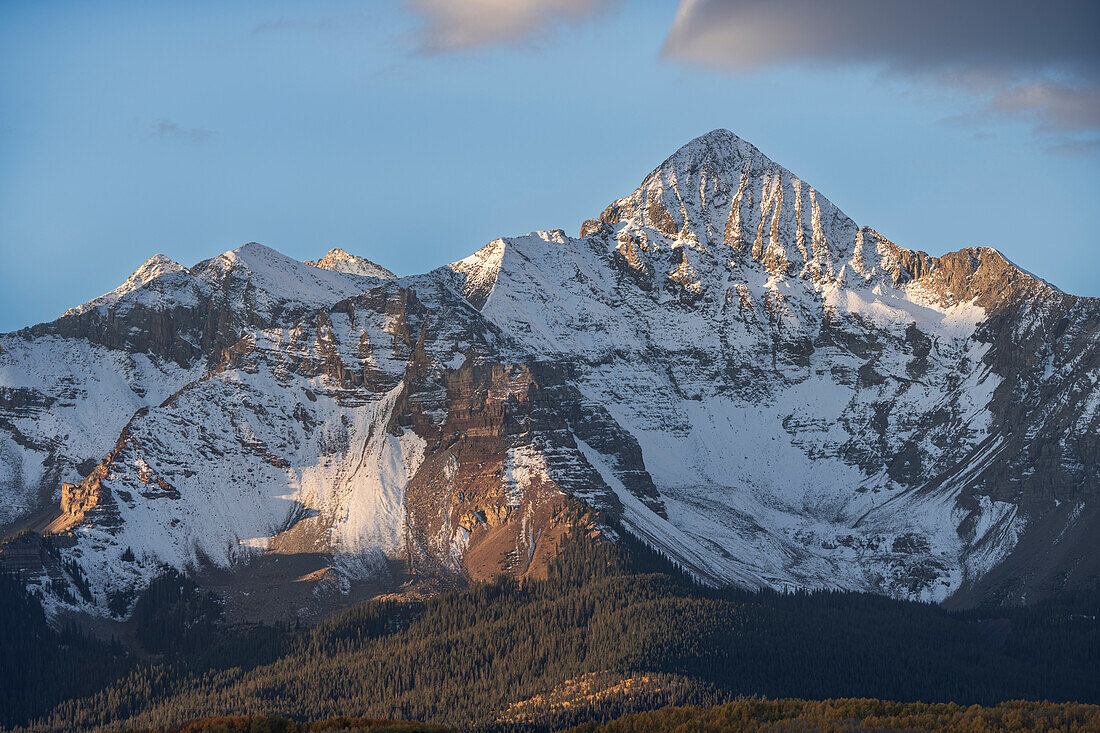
{"x":339,"y":260}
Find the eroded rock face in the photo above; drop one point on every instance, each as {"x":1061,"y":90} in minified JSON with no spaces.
{"x":386,"y":429}
{"x":485,"y":500}
{"x":72,"y":384}
{"x":805,"y":392}
{"x":723,"y":364}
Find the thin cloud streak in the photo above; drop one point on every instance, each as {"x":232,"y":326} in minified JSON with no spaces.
{"x":1056,"y":107}
{"x":170,"y":131}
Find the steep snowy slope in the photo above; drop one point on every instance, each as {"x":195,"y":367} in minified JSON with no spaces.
{"x":69,"y":386}
{"x":280,"y":449}
{"x":815,"y":405}
{"x":723,"y":364}
{"x":381,"y":429}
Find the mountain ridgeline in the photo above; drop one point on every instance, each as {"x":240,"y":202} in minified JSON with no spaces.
{"x":722,"y":365}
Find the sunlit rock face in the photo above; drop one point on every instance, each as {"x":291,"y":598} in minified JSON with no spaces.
{"x":723,"y":364}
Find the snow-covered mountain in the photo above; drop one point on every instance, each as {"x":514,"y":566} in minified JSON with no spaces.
{"x":722,"y":364}
{"x":68,"y":387}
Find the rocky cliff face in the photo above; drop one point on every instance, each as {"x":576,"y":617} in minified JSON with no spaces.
{"x":723,"y":364}
{"x":69,"y":386}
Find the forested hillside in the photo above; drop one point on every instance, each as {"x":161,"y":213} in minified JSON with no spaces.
{"x":613,"y":630}
{"x":742,"y":716}
{"x":843,"y":716}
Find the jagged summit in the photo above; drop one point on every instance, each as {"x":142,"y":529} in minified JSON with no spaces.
{"x":264,"y":277}
{"x":724,"y":206}
{"x":149,"y":282}
{"x":249,"y":254}
{"x":721,"y":197}
{"x":156,"y":265}
{"x":717,"y":147}
{"x":719,"y":220}
{"x":339,"y":260}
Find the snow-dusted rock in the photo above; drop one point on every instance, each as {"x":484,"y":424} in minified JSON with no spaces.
{"x":340,"y":261}
{"x":722,"y":363}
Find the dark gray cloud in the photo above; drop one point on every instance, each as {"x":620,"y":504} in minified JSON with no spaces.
{"x":453,"y":26}
{"x":928,"y":35}
{"x":1034,"y":61}
{"x":168,"y":130}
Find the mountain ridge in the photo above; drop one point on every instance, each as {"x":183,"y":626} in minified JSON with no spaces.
{"x":705,"y":346}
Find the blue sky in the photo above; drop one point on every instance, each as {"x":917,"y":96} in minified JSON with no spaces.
{"x":128,"y":129}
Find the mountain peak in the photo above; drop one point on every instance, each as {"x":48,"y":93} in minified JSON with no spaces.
{"x":255,"y":258}
{"x":153,"y":267}
{"x":253,"y":250}
{"x":716,"y":145}
{"x":715,"y":138}
{"x":719,"y":203}
{"x":338,"y":253}
{"x":720,"y":197}
{"x":718,"y":133}
{"x":339,"y":260}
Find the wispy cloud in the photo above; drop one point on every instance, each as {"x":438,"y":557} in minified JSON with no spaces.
{"x":170,"y":131}
{"x":1056,"y":107}
{"x":1014,"y":59}
{"x":452,"y":25}
{"x":1073,"y":146}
